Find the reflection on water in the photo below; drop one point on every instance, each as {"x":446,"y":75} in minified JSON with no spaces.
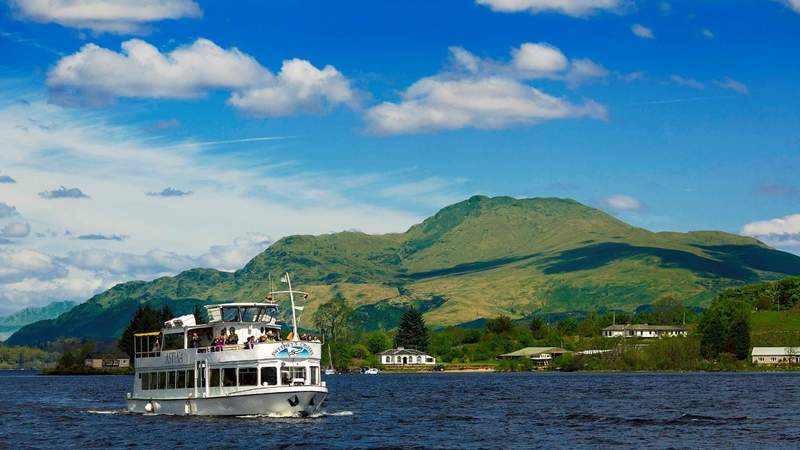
{"x":529,"y":410}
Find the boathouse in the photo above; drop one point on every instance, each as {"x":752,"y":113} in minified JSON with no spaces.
{"x":541,"y":356}
{"x":105,"y":362}
{"x":405,"y":356}
{"x":776,"y":355}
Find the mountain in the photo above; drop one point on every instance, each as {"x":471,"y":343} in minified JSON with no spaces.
{"x":475,"y":259}
{"x":11,"y":323}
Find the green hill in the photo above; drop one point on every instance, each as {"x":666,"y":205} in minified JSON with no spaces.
{"x":475,"y":259}
{"x":13,"y":322}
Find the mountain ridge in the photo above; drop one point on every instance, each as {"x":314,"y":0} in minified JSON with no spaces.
{"x":471,"y":260}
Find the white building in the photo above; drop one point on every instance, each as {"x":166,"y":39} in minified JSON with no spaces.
{"x":405,"y":356}
{"x":776,"y":355}
{"x":645,"y":331}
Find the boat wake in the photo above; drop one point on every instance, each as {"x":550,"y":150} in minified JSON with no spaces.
{"x":107,"y":411}
{"x":297,"y":415}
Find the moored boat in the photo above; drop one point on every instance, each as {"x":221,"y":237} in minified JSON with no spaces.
{"x":236,"y":364}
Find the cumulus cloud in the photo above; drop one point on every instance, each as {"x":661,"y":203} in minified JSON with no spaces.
{"x":102,"y":237}
{"x":688,"y":82}
{"x":17,"y":265}
{"x":487,"y":94}
{"x":642,"y":31}
{"x":16,"y":230}
{"x":298,"y":88}
{"x":576,"y":8}
{"x":114,"y":16}
{"x":95,"y":75}
{"x":63,"y":192}
{"x":7,"y":211}
{"x":783,"y":232}
{"x":622,"y":203}
{"x":170,"y":192}
{"x":5,"y":179}
{"x":730,"y":83}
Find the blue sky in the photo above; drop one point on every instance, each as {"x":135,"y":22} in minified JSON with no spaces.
{"x":143,"y":138}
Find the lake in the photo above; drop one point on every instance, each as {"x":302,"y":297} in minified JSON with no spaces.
{"x":519,"y":410}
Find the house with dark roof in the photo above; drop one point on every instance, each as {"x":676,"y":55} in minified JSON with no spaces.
{"x":405,"y":356}
{"x":644,"y":330}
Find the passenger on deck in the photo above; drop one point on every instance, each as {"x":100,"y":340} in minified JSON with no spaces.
{"x":251,"y":342}
{"x":233,"y":338}
{"x":262,"y":338}
{"x":195,"y":340}
{"x":219,"y":341}
{"x":156,"y":346}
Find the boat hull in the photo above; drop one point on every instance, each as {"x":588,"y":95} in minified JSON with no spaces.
{"x":283,"y":403}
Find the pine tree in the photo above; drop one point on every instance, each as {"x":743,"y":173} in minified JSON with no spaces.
{"x":412,"y":332}
{"x":740,"y":338}
{"x":198,"y":314}
{"x":145,"y":319}
{"x":166,"y":313}
{"x":537,"y":327}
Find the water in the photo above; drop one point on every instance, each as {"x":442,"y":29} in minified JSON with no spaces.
{"x":525,"y":410}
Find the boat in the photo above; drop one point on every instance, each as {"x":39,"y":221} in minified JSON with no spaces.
{"x":203,"y":370}
{"x":330,"y":371}
{"x":369,"y":370}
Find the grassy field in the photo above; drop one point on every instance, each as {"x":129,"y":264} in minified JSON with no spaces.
{"x":775,"y":328}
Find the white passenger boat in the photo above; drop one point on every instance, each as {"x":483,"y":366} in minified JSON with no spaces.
{"x":187,"y":369}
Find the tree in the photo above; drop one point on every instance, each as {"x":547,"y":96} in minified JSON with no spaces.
{"x":568,"y":326}
{"x":166,"y":313}
{"x":198,"y":314}
{"x":537,"y":327}
{"x":740,"y":338}
{"x":500,"y":325}
{"x":378,"y":341}
{"x":145,"y":319}
{"x":412,"y":332}
{"x":333,"y":319}
{"x":712,"y":334}
{"x":667,"y":310}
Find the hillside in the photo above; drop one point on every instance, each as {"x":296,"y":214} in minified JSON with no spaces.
{"x":475,"y":259}
{"x":13,"y":322}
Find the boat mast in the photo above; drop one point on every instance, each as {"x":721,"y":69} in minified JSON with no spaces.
{"x":294,"y":314}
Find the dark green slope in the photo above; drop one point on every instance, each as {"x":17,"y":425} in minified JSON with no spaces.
{"x":539,"y":254}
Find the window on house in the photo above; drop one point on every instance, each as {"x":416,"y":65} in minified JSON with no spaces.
{"x":269,"y":376}
{"x":214,"y":378}
{"x":229,"y":376}
{"x":248,"y":376}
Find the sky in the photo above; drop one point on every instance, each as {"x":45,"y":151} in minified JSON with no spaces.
{"x":141,"y":138}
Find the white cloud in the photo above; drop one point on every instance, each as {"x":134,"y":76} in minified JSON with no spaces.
{"x":688,"y":82}
{"x":782,"y":232}
{"x":114,"y":16}
{"x":19,"y":264}
{"x":576,"y":8}
{"x":486,"y":94}
{"x":265,"y":196}
{"x":642,"y":31}
{"x":710,"y":34}
{"x":794,"y":5}
{"x":622,"y":203}
{"x":16,"y":230}
{"x":95,"y":75}
{"x":298,"y":88}
{"x":730,"y":83}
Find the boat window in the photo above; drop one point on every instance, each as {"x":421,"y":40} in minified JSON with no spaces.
{"x":269,"y":376}
{"x":229,"y":376}
{"x":230,"y":314}
{"x":251,"y":313}
{"x":190,"y":379}
{"x":162,"y":380}
{"x":171,"y":380}
{"x":180,"y":381}
{"x":291,"y":374}
{"x":144,"y":381}
{"x":314,"y":375}
{"x":153,"y":380}
{"x":173,"y":341}
{"x":247,"y":376}
{"x":214,"y":378}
